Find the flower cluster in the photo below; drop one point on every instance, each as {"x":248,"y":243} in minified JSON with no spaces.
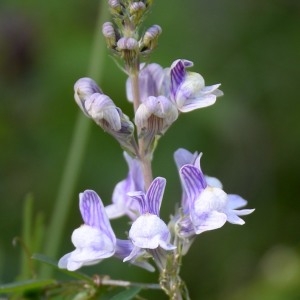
{"x":164,"y":93}
{"x":158,"y":95}
{"x":204,"y":206}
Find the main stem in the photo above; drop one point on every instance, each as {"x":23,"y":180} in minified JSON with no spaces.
{"x":144,"y":158}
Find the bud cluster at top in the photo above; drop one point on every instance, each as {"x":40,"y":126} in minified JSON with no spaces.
{"x":122,"y":35}
{"x":159,"y":95}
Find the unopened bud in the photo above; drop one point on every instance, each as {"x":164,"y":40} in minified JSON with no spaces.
{"x":115,"y":7}
{"x":109,"y":33}
{"x":103,"y":111}
{"x":125,"y":43}
{"x":83,"y":88}
{"x":128,"y":49}
{"x":153,"y":117}
{"x":137,"y":11}
{"x":150,"y":39}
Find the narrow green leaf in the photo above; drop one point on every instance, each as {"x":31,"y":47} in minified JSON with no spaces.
{"x":25,"y":285}
{"x":127,"y":294}
{"x":53,"y":263}
{"x":26,"y":268}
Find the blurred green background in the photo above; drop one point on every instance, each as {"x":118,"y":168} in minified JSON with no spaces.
{"x":250,"y":138}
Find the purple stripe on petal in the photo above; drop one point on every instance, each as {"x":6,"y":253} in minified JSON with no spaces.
{"x":193,"y":180}
{"x":155,"y":195}
{"x":140,"y":197}
{"x":177,"y":75}
{"x":93,"y":212}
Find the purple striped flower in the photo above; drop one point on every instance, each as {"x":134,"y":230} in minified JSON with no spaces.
{"x":148,"y":231}
{"x":188,"y":90}
{"x":95,"y":239}
{"x":185,"y":89}
{"x":206,"y":205}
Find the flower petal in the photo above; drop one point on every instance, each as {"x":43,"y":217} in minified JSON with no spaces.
{"x":142,"y":201}
{"x":100,"y":107}
{"x":208,"y":221}
{"x":91,"y":245}
{"x":184,"y":157}
{"x":235,"y":201}
{"x":213,"y":181}
{"x":212,"y":89}
{"x":199,"y":102}
{"x":193,"y":180}
{"x":93,"y":213}
{"x":128,"y":252}
{"x":178,"y":73}
{"x":83,"y":88}
{"x":234,"y":219}
{"x":149,"y":231}
{"x":155,"y":194}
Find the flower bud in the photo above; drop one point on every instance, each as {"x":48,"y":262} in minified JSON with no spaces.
{"x":129,"y":44}
{"x":111,"y":119}
{"x":137,"y":11}
{"x":110,"y":35}
{"x":153,"y":118}
{"x":103,"y":110}
{"x":128,"y":49}
{"x":83,"y":88}
{"x":150,"y":39}
{"x":115,"y":7}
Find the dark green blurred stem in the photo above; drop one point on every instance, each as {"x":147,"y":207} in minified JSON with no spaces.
{"x":26,"y":239}
{"x":75,"y":155}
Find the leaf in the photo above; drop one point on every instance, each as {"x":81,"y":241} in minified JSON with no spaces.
{"x":25,"y":285}
{"x":127,"y":294}
{"x":47,"y":260}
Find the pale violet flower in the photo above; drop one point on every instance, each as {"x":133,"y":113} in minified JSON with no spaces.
{"x":185,"y":89}
{"x":95,"y":240}
{"x":156,"y":112}
{"x":184,"y":157}
{"x":122,"y":203}
{"x":148,"y":231}
{"x":188,"y":90}
{"x":207,"y":207}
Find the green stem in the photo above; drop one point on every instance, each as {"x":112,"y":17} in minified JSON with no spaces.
{"x":170,"y":280}
{"x":75,"y":156}
{"x":123,"y":283}
{"x":144,"y":158}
